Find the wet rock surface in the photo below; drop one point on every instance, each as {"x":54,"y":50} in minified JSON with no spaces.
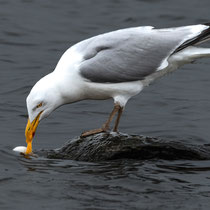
{"x":111,"y":146}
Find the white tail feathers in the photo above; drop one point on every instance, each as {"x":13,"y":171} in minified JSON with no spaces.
{"x":190,"y":54}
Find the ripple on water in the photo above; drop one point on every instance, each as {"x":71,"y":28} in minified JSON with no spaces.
{"x":131,"y":183}
{"x":33,"y":36}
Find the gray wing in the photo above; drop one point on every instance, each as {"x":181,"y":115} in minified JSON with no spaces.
{"x":129,"y":54}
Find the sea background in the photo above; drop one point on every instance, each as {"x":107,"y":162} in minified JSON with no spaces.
{"x":33,"y":36}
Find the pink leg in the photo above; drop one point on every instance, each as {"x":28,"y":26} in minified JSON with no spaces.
{"x":118,"y":119}
{"x":105,"y":127}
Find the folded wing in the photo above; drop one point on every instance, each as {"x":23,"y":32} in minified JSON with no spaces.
{"x":134,"y":53}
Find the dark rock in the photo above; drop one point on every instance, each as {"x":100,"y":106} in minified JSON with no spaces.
{"x":110,"y":146}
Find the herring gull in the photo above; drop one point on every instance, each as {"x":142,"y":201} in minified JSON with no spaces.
{"x":116,"y":65}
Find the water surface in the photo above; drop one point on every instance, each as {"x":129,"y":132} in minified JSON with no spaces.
{"x":33,"y":36}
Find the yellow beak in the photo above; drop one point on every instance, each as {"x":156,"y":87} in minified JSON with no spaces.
{"x":30,"y":132}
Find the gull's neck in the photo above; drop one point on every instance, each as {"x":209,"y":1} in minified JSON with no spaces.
{"x":66,"y":77}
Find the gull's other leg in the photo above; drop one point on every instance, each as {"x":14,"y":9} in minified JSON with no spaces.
{"x":105,"y":127}
{"x":111,"y":116}
{"x":120,"y":111}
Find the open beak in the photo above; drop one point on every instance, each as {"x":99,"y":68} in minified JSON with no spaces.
{"x":30,"y":132}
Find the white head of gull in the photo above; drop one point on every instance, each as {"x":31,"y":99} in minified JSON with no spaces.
{"x":114,"y":65}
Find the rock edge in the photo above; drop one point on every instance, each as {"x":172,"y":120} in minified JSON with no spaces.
{"x":111,"y":146}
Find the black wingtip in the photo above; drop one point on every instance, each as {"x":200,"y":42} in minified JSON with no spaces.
{"x":203,"y":36}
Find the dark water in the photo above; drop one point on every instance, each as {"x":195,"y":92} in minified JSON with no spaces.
{"x":33,"y":36}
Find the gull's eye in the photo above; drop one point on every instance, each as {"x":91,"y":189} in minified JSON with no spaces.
{"x":39,"y":105}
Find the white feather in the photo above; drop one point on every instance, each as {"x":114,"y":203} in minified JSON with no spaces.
{"x":20,"y":149}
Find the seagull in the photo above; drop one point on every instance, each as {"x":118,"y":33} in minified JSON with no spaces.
{"x":115,"y":65}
